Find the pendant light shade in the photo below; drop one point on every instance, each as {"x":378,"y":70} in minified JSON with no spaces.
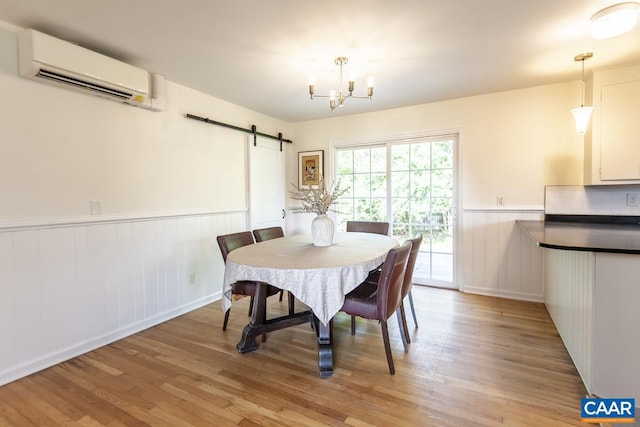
{"x":582,"y":115}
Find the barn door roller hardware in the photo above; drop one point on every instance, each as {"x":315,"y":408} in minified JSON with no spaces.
{"x":252,"y":130}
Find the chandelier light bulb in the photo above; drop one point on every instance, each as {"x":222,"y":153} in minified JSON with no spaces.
{"x":370,"y":81}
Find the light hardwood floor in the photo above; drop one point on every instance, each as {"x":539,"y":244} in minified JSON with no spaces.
{"x":473,"y":361}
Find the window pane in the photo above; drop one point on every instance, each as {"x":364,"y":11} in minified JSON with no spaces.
{"x":361,"y":185}
{"x":377,"y":212}
{"x":361,"y":161}
{"x":420,"y":155}
{"x":400,"y":184}
{"x":420,"y":187}
{"x":346,"y":182}
{"x":400,"y":231}
{"x":378,"y":185}
{"x":399,"y":157}
{"x":345,"y":162}
{"x":442,"y":152}
{"x":420,"y":211}
{"x":379,"y":159}
{"x":442,"y":183}
{"x":443,"y":241}
{"x":361,"y":208}
{"x":400,"y":210}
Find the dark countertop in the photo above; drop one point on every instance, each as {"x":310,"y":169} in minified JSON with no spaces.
{"x":578,"y":236}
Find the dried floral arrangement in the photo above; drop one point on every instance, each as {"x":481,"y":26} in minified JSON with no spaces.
{"x":318,"y":199}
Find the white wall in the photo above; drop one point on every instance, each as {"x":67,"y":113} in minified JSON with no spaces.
{"x":512,"y":145}
{"x":71,"y":281}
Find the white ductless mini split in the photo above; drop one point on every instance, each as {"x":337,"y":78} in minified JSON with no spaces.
{"x":53,"y":61}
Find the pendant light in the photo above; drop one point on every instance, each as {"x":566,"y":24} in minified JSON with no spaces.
{"x":582,"y":114}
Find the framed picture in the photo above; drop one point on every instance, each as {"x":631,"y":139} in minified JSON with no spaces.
{"x":310,"y":168}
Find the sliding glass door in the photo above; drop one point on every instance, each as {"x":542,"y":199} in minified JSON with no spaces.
{"x":411,"y":184}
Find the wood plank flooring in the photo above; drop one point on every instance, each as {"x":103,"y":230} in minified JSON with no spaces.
{"x":473,"y":361}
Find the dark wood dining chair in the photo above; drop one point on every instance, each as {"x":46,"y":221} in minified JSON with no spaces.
{"x":228,"y":243}
{"x":408,"y":281}
{"x":262,"y":234}
{"x":268,"y":233}
{"x":374,"y":277}
{"x":376,"y":227}
{"x":379,"y":301}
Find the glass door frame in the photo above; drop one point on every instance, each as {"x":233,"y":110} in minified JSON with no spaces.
{"x":330,"y":168}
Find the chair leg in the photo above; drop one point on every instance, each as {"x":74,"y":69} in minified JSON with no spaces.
{"x":226,"y":320}
{"x":403,"y":334}
{"x":250,"y":306}
{"x":405,"y":327}
{"x":413,"y":310}
{"x":292,"y":301}
{"x":353,"y":325}
{"x":387,"y":346}
{"x":281,"y":293}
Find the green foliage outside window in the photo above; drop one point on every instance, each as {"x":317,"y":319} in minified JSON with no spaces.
{"x":421,"y":180}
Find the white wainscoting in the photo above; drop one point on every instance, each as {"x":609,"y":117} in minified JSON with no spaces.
{"x":569,"y":276}
{"x":67,"y":289}
{"x":497,"y":258}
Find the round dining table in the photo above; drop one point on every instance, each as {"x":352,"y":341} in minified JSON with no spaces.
{"x":318,"y":276}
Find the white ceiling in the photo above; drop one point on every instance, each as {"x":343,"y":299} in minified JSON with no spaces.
{"x":259,"y":54}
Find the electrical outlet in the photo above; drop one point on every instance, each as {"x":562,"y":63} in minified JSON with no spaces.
{"x":96,"y":207}
{"x":192,"y":278}
{"x":632,"y":199}
{"x":500,"y":201}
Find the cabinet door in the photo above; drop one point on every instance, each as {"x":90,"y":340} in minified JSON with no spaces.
{"x":620,"y":146}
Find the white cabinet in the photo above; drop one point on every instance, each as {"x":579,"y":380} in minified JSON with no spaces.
{"x":612,"y":150}
{"x":593,"y":301}
{"x":616,"y":345}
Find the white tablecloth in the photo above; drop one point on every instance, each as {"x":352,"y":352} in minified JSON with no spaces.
{"x":320,"y":277}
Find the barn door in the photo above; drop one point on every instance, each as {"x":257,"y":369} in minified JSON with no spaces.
{"x":267,"y":194}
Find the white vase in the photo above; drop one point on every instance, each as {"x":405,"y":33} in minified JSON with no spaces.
{"x":322,"y":230}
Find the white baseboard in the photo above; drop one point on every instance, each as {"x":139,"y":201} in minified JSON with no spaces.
{"x":503,"y":294}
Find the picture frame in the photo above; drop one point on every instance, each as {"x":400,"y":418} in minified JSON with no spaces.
{"x":310,"y":168}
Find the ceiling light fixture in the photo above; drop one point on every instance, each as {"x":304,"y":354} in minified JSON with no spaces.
{"x":336,"y":99}
{"x":582,"y":114}
{"x":614,"y":20}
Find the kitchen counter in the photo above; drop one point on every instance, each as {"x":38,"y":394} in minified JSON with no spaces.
{"x":584,"y":236}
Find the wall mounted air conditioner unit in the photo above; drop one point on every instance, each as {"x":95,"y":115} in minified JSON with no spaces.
{"x":50,"y":60}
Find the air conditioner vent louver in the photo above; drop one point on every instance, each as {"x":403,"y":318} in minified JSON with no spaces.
{"x":49,"y":60}
{"x":83,"y":84}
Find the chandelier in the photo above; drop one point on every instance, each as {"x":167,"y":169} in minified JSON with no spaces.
{"x":337,"y":98}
